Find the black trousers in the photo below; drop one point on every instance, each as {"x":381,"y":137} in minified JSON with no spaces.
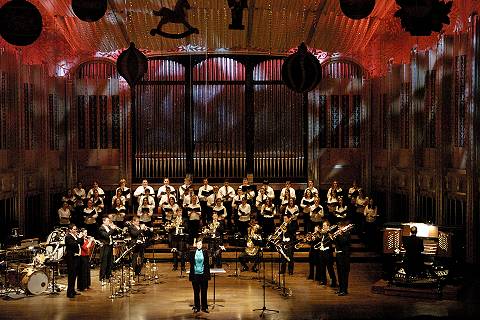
{"x":200,"y":287}
{"x":343,"y":269}
{"x":84,"y":280}
{"x":283,"y":265}
{"x":137,"y":258}
{"x":72,"y":271}
{"x":325,"y":263}
{"x":228,"y":219}
{"x":106,"y":262}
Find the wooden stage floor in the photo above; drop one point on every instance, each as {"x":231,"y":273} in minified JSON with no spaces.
{"x":172,"y":296}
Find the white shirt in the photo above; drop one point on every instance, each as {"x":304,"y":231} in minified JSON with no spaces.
{"x":269,"y":192}
{"x":244,"y":212}
{"x":207,"y":188}
{"x":284,"y":191}
{"x":227,"y":193}
{"x":140,"y":191}
{"x":313,"y":191}
{"x":101,"y":193}
{"x":163,"y":191}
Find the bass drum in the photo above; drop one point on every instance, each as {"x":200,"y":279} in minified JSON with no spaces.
{"x":55,"y":249}
{"x":34,"y":281}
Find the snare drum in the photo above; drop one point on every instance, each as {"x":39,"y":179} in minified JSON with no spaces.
{"x":34,"y":281}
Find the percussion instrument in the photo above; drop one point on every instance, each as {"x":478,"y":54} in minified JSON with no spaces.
{"x":55,"y":249}
{"x":34,"y":281}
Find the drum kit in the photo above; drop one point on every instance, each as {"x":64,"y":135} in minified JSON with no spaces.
{"x":25,"y":268}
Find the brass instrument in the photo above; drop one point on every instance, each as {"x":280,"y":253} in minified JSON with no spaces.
{"x":252,"y":234}
{"x":276,"y":237}
{"x":211,"y":229}
{"x":334,"y":235}
{"x":174,"y":224}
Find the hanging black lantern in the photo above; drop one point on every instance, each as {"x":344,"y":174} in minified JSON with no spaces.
{"x":89,"y":10}
{"x":357,"y":9}
{"x":132,"y":65}
{"x":422,"y":17}
{"x":20,"y":22}
{"x":301,"y":71}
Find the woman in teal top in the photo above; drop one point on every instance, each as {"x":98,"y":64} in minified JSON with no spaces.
{"x":199,"y":276}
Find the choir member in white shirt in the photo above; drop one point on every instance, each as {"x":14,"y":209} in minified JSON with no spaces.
{"x":149,"y":197}
{"x":120,"y":196}
{"x":237,"y":201}
{"x":332,"y":200}
{"x":70,"y":199}
{"x":317,"y":214}
{"x":101,"y":193}
{"x":312,"y":189}
{"x":187,"y":198}
{"x":64,"y":214}
{"x":353,"y":191}
{"x":166,"y":187}
{"x":140,"y":191}
{"x":292,"y":209}
{"x":145,"y":212}
{"x":168,"y":209}
{"x":90,"y":216}
{"x":118,"y":213}
{"x":244,"y":210}
{"x":194,"y":210}
{"x":285,"y":195}
{"x":183,"y":190}
{"x":248,"y":191}
{"x":370,"y":225}
{"x":268,"y":190}
{"x":268,"y":214}
{"x":360,"y":202}
{"x":203,"y":192}
{"x":165,"y":198}
{"x":341,"y":210}
{"x":260,"y":199}
{"x":98,"y":202}
{"x":305,"y":204}
{"x":227,"y":193}
{"x":211,"y":202}
{"x":122,"y":186}
{"x":80,"y":196}
{"x":220,"y":210}
{"x":333,"y":193}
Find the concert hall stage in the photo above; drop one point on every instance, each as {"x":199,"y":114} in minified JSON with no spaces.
{"x":172,"y":296}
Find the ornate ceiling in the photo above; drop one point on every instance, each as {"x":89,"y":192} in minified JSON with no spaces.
{"x":271,"y":26}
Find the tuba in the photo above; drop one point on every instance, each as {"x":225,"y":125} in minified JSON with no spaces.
{"x":252,"y":234}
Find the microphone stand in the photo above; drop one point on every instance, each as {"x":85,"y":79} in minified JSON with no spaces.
{"x":264,"y":307}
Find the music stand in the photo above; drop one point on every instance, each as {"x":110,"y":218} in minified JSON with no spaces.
{"x":214,"y":271}
{"x":264,"y":307}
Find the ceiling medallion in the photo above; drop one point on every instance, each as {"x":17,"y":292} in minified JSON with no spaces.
{"x":177,"y":15}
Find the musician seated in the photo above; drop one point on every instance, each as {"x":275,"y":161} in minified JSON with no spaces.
{"x":252,"y":252}
{"x":413,"y":254}
{"x":251,"y":255}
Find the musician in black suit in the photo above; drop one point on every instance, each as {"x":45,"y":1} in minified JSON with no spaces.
{"x":137,"y":233}
{"x":199,"y":276}
{"x":342,"y":251}
{"x":105,"y":232}
{"x":325,"y":257}
{"x":413,"y":253}
{"x":73,"y":250}
{"x":288,"y":237}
